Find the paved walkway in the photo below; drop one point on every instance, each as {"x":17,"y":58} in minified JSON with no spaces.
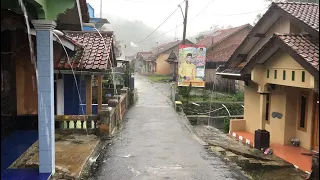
{"x":154,"y":144}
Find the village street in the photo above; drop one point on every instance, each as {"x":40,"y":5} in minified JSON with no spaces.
{"x":155,"y":144}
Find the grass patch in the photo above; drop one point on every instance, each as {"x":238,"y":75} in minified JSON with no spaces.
{"x":159,"y":78}
{"x":216,"y":97}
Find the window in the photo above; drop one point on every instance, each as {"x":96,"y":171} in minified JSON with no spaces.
{"x":303,"y":110}
{"x":303,"y":76}
{"x":275,"y":74}
{"x":268,"y":73}
{"x":267,"y":107}
{"x":293,"y":73}
{"x":284,"y":75}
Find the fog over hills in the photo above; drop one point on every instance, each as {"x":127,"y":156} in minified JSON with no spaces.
{"x":127,"y":31}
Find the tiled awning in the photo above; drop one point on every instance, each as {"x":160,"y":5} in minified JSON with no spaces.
{"x":95,"y":54}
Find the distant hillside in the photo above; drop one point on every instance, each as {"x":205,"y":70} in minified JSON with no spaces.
{"x":134,"y":31}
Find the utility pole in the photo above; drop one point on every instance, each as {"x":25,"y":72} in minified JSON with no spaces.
{"x":100,"y":8}
{"x":185,"y":23}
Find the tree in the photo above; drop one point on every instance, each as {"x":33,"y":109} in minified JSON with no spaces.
{"x":200,"y":37}
{"x":258,"y":17}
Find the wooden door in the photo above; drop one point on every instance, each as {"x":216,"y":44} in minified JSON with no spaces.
{"x":316,"y":124}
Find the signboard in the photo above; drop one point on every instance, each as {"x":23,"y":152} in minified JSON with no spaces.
{"x":192,"y":60}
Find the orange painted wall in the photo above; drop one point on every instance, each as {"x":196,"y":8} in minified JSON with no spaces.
{"x":163,"y":67}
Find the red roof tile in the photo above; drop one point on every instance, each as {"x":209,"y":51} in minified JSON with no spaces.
{"x":222,"y":55}
{"x":220,"y":35}
{"x":93,"y":55}
{"x":305,"y":46}
{"x":144,"y":55}
{"x":305,"y":12}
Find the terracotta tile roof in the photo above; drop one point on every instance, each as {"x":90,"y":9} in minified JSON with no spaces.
{"x":305,"y":46}
{"x":220,"y":35}
{"x":230,"y":70}
{"x":92,"y":55}
{"x":151,"y":57}
{"x":222,"y":55}
{"x":144,"y":55}
{"x":167,"y":46}
{"x":302,"y":47}
{"x":305,"y":12}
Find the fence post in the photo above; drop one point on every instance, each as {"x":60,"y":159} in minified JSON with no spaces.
{"x":104,"y":123}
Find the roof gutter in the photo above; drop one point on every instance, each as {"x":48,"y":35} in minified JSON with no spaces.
{"x":92,"y":25}
{"x":64,"y":42}
{"x":228,"y":74}
{"x":80,"y":15}
{"x":79,"y":72}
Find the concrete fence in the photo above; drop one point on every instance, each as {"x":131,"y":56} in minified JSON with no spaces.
{"x":76,"y":123}
{"x":104,"y":123}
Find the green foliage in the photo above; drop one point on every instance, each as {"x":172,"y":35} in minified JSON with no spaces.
{"x":185,"y":91}
{"x":238,"y":96}
{"x":159,"y":78}
{"x":226,"y":124}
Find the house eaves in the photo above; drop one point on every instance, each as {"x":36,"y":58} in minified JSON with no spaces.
{"x":171,"y":46}
{"x":229,"y":35}
{"x":268,"y":19}
{"x":306,"y":54}
{"x":65,"y":42}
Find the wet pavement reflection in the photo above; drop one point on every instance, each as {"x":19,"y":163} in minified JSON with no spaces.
{"x":154,"y":144}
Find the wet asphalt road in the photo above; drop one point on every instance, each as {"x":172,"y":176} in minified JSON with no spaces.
{"x":154,"y":144}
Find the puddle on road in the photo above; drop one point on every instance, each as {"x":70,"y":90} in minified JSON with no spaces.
{"x":126,"y":156}
{"x":169,"y":167}
{"x":134,"y":171}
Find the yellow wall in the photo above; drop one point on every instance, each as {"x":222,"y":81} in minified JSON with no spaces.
{"x":305,"y":136}
{"x":284,"y":99}
{"x":276,"y":126}
{"x":291,"y":117}
{"x":280,"y":62}
{"x":163,"y":67}
{"x":251,"y":107}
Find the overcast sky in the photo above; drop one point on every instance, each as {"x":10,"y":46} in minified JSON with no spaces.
{"x":154,"y":12}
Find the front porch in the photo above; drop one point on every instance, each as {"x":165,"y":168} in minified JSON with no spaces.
{"x":288,"y":153}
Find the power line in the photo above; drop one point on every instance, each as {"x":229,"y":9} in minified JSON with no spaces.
{"x":214,"y":14}
{"x":160,"y":25}
{"x":177,"y":26}
{"x":196,"y":17}
{"x":240,"y":13}
{"x":202,"y":10}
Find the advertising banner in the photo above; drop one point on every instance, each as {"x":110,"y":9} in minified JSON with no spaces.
{"x":192,"y":60}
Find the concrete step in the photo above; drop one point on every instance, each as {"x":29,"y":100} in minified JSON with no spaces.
{"x":231,"y":156}
{"x":275,"y":164}
{"x":253,"y":164}
{"x":218,"y":150}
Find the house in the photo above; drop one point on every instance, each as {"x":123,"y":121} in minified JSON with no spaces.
{"x":143,"y":63}
{"x":89,"y":59}
{"x":279,"y":63}
{"x":162,"y":53}
{"x":27,"y":109}
{"x":220,"y":45}
{"x":98,"y":22}
{"x":90,"y":11}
